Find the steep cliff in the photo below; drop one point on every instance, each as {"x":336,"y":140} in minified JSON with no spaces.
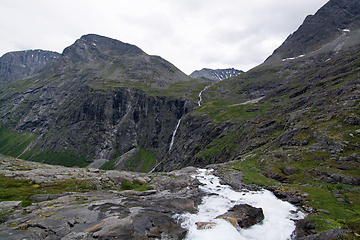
{"x":21,"y":64}
{"x":96,"y":101}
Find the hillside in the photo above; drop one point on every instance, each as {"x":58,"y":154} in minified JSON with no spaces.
{"x":291,"y":124}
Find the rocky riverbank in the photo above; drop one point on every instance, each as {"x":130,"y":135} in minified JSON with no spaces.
{"x":100,"y":208}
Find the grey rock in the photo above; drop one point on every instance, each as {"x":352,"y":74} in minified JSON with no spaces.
{"x":243,"y":215}
{"x":331,"y":234}
{"x":289,"y":171}
{"x":352,"y":120}
{"x":10,"y":205}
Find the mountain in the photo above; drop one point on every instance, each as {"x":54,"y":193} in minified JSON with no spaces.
{"x":113,"y":61}
{"x":290,"y":125}
{"x":215,"y":75}
{"x":333,"y":27}
{"x":99,"y":100}
{"x":21,"y":64}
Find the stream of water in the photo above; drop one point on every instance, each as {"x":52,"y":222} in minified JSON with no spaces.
{"x":173,"y":136}
{"x":200,"y":98}
{"x":277,"y":225}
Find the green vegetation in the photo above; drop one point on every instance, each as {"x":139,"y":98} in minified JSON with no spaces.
{"x":252,"y":172}
{"x":21,"y":190}
{"x":142,"y":161}
{"x":109,"y":165}
{"x":341,"y":201}
{"x":63,"y":158}
{"x":4,"y":214}
{"x":13,"y":143}
{"x":134,"y":185}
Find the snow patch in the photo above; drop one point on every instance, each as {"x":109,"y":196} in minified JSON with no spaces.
{"x":293,"y":58}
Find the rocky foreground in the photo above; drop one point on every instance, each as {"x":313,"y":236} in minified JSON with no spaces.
{"x":107,"y":211}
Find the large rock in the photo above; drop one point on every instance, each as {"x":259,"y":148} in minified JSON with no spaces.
{"x":243,"y":216}
{"x":10,"y":205}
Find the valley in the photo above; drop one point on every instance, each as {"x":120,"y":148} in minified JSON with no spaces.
{"x":120,"y":118}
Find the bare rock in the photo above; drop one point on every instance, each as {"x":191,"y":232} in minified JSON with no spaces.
{"x":331,"y":234}
{"x":243,"y":216}
{"x":10,"y":205}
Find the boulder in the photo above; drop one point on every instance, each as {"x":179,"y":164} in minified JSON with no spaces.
{"x":243,"y":216}
{"x":289,"y":171}
{"x":205,"y":225}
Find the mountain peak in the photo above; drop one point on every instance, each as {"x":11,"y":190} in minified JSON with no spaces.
{"x":215,"y":74}
{"x":92,"y":46}
{"x":327,"y":25}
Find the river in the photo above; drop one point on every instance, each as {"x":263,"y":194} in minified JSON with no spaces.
{"x":277,"y":225}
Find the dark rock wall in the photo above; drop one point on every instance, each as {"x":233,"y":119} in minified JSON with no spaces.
{"x":96,"y":124}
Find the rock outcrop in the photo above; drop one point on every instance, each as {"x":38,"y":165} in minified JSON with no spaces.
{"x":101,"y":213}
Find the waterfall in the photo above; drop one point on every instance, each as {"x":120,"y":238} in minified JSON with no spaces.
{"x":200,"y":98}
{"x":174,"y":133}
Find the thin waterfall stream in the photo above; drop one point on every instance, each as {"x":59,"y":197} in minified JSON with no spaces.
{"x":278,"y":224}
{"x":174,"y":133}
{"x":200,"y":98}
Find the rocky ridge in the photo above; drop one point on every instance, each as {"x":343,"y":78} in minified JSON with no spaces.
{"x":327,"y":30}
{"x":21,"y":64}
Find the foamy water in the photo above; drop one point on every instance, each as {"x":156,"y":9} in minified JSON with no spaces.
{"x":277,"y":224}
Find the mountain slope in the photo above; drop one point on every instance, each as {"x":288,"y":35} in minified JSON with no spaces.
{"x":116,"y":63}
{"x":99,"y":100}
{"x":292,"y":122}
{"x":330,"y":24}
{"x":21,"y":64}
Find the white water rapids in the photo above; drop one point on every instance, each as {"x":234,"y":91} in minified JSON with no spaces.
{"x":277,"y":225}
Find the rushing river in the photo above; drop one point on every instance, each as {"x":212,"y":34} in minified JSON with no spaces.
{"x":279,"y":215}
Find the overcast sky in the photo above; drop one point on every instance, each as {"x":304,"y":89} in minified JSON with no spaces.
{"x":191,"y":34}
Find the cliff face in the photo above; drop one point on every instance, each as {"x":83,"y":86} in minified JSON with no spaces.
{"x":21,"y":64}
{"x":89,"y":103}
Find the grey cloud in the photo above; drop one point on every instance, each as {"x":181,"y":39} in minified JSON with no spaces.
{"x":192,"y":34}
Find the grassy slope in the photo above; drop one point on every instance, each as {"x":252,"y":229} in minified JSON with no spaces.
{"x":317,"y":99}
